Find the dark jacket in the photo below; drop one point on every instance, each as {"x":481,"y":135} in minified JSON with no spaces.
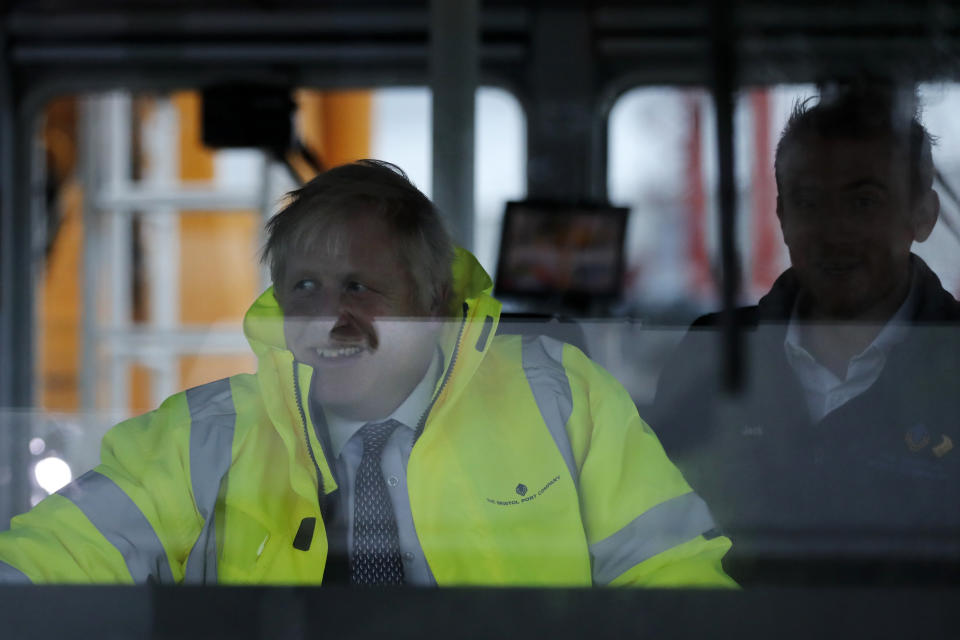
{"x":860,"y":497}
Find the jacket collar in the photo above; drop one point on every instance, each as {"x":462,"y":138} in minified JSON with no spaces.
{"x":467,"y":337}
{"x":933,"y":305}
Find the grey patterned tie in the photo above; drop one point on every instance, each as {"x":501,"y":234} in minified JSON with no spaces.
{"x":376,"y":546}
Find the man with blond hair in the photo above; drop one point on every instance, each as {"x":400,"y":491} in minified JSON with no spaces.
{"x":389,"y":436}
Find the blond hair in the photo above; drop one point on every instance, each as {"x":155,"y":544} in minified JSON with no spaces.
{"x":375,"y":187}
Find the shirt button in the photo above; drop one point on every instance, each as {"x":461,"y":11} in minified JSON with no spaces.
{"x":393,"y":481}
{"x":408,"y":556}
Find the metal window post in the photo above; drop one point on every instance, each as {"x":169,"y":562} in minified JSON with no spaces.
{"x":454,"y":68}
{"x":161,"y":237}
{"x":266,"y":198}
{"x":17,"y":298}
{"x":564,"y":144}
{"x":89,"y":157}
{"x":724,"y":85}
{"x":117,"y":123}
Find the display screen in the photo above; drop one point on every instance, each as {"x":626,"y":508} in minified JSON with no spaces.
{"x":552,"y":249}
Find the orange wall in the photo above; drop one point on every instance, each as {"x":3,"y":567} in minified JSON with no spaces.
{"x":219,"y":273}
{"x":59,"y":339}
{"x":335,"y":125}
{"x":60,"y":300}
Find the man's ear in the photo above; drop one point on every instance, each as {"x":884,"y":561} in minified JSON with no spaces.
{"x":925,"y":215}
{"x":780,"y":217}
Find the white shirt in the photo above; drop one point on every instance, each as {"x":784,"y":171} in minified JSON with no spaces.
{"x":823,"y":390}
{"x":347,"y":450}
{"x":408,"y":413}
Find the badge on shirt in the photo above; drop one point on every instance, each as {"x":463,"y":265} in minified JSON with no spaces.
{"x":917,"y":437}
{"x":942,"y":449}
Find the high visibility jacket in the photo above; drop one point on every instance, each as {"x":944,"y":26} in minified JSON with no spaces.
{"x":531,"y":467}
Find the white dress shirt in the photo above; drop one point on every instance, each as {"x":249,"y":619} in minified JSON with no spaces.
{"x":825,"y":391}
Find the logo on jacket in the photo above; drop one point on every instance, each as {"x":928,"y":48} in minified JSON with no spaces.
{"x":522,"y":492}
{"x":917,"y":437}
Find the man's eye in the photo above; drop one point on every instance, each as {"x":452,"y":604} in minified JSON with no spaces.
{"x":355,"y":287}
{"x":305,"y":285}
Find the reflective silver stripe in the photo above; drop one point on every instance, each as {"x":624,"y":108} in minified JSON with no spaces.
{"x":11,"y":575}
{"x":543,"y":364}
{"x":658,"y":529}
{"x":213,"y":418}
{"x":123,"y":524}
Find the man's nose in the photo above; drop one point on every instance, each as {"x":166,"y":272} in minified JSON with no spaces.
{"x":329,"y":305}
{"x":324,"y":308}
{"x":848,"y":220}
{"x":830,"y":212}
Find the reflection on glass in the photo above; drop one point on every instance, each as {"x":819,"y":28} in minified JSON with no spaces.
{"x":52,"y":474}
{"x":834,"y":462}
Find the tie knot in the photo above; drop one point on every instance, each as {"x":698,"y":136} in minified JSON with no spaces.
{"x":376,"y":434}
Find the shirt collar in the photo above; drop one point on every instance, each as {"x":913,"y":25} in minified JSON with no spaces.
{"x":893,"y":332}
{"x":408,"y":413}
{"x":897,"y":327}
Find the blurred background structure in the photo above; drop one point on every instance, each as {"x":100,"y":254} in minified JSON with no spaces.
{"x":130,"y":247}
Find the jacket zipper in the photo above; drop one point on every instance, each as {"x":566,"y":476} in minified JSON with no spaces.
{"x":446,"y":376}
{"x":321,"y":494}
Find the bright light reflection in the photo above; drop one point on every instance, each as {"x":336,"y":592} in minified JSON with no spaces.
{"x":52,"y":474}
{"x":37,"y":446}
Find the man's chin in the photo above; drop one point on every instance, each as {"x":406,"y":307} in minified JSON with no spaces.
{"x":843,"y":306}
{"x":342,"y":402}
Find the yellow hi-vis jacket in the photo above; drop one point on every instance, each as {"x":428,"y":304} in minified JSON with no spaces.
{"x":531,"y":467}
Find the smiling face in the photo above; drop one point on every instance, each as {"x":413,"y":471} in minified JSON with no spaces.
{"x":849,"y":220}
{"x":351,"y":312}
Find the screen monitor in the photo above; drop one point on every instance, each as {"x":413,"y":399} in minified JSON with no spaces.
{"x":552,"y":250}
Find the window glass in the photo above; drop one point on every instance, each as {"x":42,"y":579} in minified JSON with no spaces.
{"x":939,"y":105}
{"x":402,"y":134}
{"x":662,"y":163}
{"x":816,"y":422}
{"x":660,"y":152}
{"x":174,"y":235}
